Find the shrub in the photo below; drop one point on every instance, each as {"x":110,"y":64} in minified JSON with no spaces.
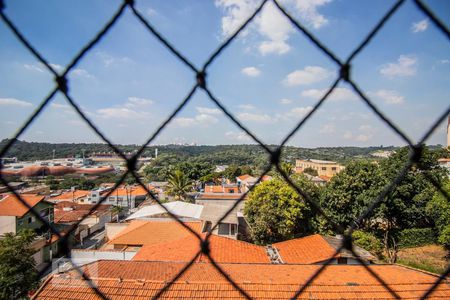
{"x":416,"y":237}
{"x":444,"y":237}
{"x":369,"y":242}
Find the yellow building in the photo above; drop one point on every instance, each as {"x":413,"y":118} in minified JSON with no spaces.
{"x":323,"y":167}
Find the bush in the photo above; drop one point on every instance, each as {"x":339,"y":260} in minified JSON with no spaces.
{"x":368,"y":242}
{"x":444,"y":237}
{"x":416,"y":237}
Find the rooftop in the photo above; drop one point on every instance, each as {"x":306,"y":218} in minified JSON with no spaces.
{"x":12,"y":206}
{"x":69,"y":212}
{"x":143,"y":279}
{"x":178,"y":208}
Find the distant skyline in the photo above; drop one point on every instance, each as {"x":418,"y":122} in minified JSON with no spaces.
{"x":269,"y":77}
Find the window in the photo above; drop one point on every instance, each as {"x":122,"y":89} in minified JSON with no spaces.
{"x":333,"y":168}
{"x":207,"y":227}
{"x":324,"y":168}
{"x":31,"y":220}
{"x":342,"y":260}
{"x":224,"y":229}
{"x":233,"y":229}
{"x":20,"y":222}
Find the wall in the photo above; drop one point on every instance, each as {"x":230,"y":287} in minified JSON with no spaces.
{"x":7,"y":224}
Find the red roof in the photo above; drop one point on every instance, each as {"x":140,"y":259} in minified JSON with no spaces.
{"x":69,"y":195}
{"x":77,"y":212}
{"x":144,"y":279}
{"x":220,"y":196}
{"x":307,"y":250}
{"x":222,"y":249}
{"x":141,"y":232}
{"x":11,"y":206}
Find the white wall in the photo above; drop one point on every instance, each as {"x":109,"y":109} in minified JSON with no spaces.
{"x":7,"y":224}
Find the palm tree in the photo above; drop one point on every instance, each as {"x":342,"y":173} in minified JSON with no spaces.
{"x":116,"y":210}
{"x":178,"y":185}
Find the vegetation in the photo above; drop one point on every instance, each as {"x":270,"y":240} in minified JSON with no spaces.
{"x":275,"y":211}
{"x":17,"y":266}
{"x":439,"y":211}
{"x":311,"y":171}
{"x":431,"y":258}
{"x":178,"y":185}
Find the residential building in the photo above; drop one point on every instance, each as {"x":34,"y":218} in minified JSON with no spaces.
{"x":129,"y":196}
{"x":224,"y":188}
{"x":182,"y":210}
{"x":145,"y":279}
{"x":69,"y":213}
{"x":15,"y":216}
{"x":323,"y":167}
{"x":73,"y":195}
{"x":317,"y":249}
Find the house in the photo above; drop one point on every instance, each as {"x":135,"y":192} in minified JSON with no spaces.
{"x":69,"y":213}
{"x":129,"y":196}
{"x":323,"y":167}
{"x":170,"y":241}
{"x":228,"y":227}
{"x":73,"y":195}
{"x":219,"y":198}
{"x":317,"y":249}
{"x":224,"y":188}
{"x":15,"y":216}
{"x":145,"y":279}
{"x":245,"y":182}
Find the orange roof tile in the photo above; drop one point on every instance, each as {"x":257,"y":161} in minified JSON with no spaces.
{"x":78,"y":211}
{"x":244,"y":177}
{"x":222,"y":249}
{"x":131,"y":191}
{"x":220,"y":189}
{"x":307,"y":250}
{"x":141,"y":232}
{"x":142,"y":280}
{"x":12,"y":206}
{"x":220,"y":196}
{"x":69,"y":195}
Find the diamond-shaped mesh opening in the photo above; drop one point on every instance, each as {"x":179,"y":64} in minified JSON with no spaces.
{"x":63,"y":78}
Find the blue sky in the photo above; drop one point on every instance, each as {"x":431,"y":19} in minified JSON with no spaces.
{"x":269,"y":77}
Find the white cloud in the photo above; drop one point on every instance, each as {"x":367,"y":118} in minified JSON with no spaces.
{"x":271,"y":24}
{"x":14,"y":102}
{"x":246,"y":106}
{"x":237,"y":136}
{"x":60,"y":105}
{"x":445,"y":61}
{"x":109,"y":60}
{"x":208,"y":110}
{"x":258,"y":118}
{"x":327,"y":128}
{"x":390,"y":96}
{"x":200,"y":119}
{"x":285,"y":101}
{"x":121,"y":113}
{"x":405,"y":66}
{"x":151,"y":12}
{"x":420,"y":26}
{"x":297,"y":112}
{"x":251,"y":71}
{"x":133,"y":108}
{"x":338,"y":94}
{"x":81,"y":73}
{"x":57,"y":67}
{"x":137,"y":102}
{"x":33,"y":67}
{"x":308,"y":12}
{"x":275,"y":28}
{"x":309,"y":75}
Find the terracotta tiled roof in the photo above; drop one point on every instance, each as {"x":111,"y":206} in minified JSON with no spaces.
{"x":219,"y":196}
{"x":326,"y":178}
{"x":307,"y":250}
{"x":70,"y":195}
{"x":245,"y":177}
{"x":141,"y":232}
{"x":142,"y":280}
{"x":222,"y":249}
{"x":11,"y":206}
{"x":132,"y":191}
{"x":220,"y":189}
{"x":78,"y":211}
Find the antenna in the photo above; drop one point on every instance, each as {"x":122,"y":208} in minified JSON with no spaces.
{"x":54,"y":154}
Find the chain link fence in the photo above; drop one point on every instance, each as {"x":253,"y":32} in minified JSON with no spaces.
{"x":200,"y":83}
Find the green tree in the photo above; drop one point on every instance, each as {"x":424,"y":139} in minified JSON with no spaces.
{"x":350,"y":191}
{"x":18,"y":273}
{"x":311,"y":171}
{"x":178,"y":185}
{"x":288,"y":168}
{"x":276,"y":212}
{"x":439,"y":211}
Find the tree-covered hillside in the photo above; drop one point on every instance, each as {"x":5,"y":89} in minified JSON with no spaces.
{"x":217,"y":155}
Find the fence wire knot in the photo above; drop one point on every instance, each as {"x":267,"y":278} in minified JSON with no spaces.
{"x":61,"y":81}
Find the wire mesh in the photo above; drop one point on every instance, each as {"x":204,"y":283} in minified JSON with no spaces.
{"x":200,"y":82}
